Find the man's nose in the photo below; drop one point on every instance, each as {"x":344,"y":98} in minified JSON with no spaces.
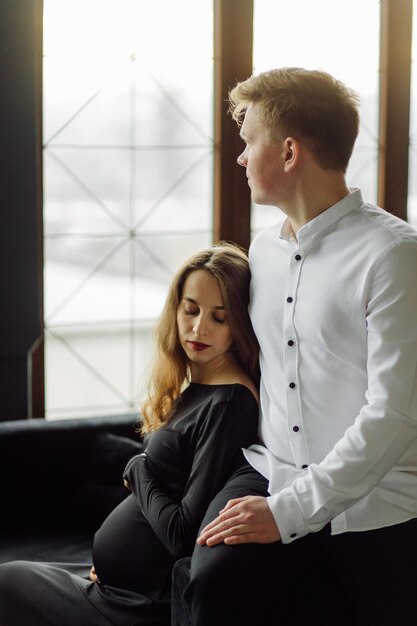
{"x":241,"y":159}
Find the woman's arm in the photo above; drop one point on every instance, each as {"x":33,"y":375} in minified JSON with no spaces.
{"x":227,"y":428}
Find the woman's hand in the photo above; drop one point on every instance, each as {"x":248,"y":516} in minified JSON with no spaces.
{"x":133,"y":462}
{"x":93,"y":575}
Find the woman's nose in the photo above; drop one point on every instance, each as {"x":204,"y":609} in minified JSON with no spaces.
{"x":200,"y":326}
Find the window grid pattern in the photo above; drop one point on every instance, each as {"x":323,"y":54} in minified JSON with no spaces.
{"x":128,"y":177}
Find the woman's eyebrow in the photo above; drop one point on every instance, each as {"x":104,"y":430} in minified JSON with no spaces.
{"x":191,"y":301}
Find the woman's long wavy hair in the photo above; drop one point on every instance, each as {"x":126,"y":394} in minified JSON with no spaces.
{"x":228,"y":263}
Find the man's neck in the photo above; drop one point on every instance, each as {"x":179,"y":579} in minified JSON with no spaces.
{"x":314,"y":196}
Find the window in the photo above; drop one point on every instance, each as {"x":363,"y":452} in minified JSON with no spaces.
{"x":326,"y":35}
{"x":127,"y":186}
{"x":87,"y":113}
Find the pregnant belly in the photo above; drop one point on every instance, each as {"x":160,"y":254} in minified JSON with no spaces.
{"x":127,"y":554}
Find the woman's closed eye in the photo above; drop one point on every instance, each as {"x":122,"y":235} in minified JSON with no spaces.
{"x":189,"y":311}
{"x":217,"y":317}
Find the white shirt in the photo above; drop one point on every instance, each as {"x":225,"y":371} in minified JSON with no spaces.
{"x":335,"y":313}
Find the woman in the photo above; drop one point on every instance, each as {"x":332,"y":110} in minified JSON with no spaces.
{"x":202,"y":409}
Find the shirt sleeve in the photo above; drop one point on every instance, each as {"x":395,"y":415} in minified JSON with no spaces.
{"x":226,"y":429}
{"x":386,"y":426}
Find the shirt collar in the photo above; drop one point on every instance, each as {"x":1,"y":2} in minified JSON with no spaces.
{"x":331,"y":215}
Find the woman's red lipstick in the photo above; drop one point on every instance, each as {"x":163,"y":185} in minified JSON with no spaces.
{"x":196,"y":345}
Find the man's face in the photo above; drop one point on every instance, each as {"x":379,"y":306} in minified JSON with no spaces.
{"x":263,"y":160}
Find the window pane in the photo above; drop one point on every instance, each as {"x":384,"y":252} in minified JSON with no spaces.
{"x":127,"y":185}
{"x":341,"y":38}
{"x":412,"y":169}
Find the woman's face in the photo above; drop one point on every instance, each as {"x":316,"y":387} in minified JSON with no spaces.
{"x":203,"y":328}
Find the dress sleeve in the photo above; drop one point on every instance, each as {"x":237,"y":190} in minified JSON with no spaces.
{"x":386,"y":426}
{"x":226,"y":429}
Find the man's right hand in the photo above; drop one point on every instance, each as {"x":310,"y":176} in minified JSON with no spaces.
{"x":243,"y":520}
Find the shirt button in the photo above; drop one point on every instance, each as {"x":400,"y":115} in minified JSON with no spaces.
{"x":290,"y":342}
{"x":296,"y":429}
{"x":304,"y":466}
{"x":293,"y":535}
{"x":298,"y":257}
{"x":289,"y":299}
{"x":292,"y":385}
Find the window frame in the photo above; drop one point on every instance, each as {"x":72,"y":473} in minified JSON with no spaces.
{"x":21,"y":282}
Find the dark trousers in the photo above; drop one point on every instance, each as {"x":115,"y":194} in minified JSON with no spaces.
{"x":356,"y":579}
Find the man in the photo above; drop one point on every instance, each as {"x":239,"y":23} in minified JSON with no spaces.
{"x":321,"y":524}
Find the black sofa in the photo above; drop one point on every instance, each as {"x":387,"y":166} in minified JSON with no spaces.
{"x":59,"y":480}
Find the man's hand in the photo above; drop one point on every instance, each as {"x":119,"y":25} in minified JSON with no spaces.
{"x":243,"y":520}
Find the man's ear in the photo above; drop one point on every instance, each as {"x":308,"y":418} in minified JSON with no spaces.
{"x":291,"y":153}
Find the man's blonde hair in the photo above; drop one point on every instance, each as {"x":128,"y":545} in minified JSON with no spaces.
{"x":309,"y":105}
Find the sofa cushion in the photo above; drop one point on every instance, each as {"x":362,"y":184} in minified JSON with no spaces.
{"x":103,"y":487}
{"x":53,"y":546}
{"x":109,"y":455}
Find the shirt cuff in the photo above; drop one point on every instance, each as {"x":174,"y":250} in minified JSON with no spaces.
{"x":288,"y":516}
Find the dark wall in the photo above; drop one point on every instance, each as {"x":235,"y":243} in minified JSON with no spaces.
{"x":20,"y":201}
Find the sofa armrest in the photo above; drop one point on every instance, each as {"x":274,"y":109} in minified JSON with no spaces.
{"x":44,"y":463}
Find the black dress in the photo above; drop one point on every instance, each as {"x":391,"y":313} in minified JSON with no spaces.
{"x":184,"y":465}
